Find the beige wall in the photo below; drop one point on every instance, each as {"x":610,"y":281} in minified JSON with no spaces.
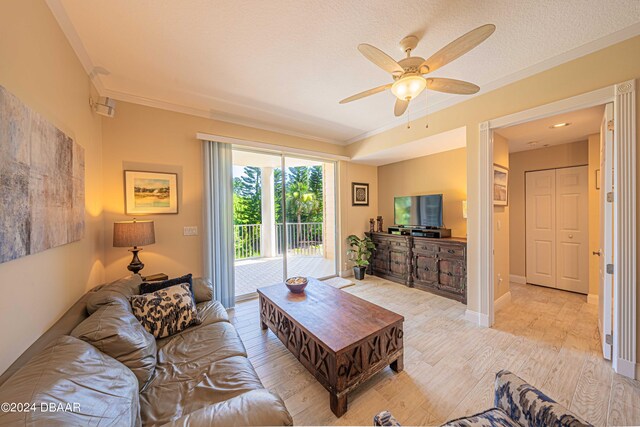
{"x":146,"y":138}
{"x":615,"y":64}
{"x":355,"y":219}
{"x":594,"y":214}
{"x":559,"y":156}
{"x":501,"y":225}
{"x":39,"y":67}
{"x":444,"y":173}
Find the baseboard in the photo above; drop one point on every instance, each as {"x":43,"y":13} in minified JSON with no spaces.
{"x":477,"y":318}
{"x":592,"y":299}
{"x":504,"y":300}
{"x":346,"y":273}
{"x":626,"y":368}
{"x":514,"y":278}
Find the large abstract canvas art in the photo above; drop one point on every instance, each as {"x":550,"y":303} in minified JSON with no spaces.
{"x":41,"y":182}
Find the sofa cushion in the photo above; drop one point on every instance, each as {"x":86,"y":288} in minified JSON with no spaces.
{"x":148,"y":287}
{"x":118,"y":291}
{"x":493,"y":417}
{"x":178,"y":389}
{"x":113,"y":330}
{"x":211,"y":312}
{"x":208,"y":313}
{"x":253,"y":408}
{"x":71,"y":371}
{"x":199,"y":346}
{"x":202,"y":290}
{"x":167,"y":311}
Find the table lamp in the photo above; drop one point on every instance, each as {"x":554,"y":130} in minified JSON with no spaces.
{"x":133,"y":234}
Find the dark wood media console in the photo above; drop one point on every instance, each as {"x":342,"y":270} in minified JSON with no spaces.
{"x":434,"y":265}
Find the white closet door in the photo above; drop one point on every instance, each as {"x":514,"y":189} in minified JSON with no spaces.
{"x":572,"y":229}
{"x":540,"y":227}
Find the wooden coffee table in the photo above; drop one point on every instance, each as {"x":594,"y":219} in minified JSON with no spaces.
{"x":340,"y":338}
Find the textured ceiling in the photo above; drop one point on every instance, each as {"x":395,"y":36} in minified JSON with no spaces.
{"x":285,"y":64}
{"x":539,"y":134}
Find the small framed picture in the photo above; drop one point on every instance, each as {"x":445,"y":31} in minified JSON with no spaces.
{"x":359,"y":194}
{"x":500,"y":185}
{"x":150,"y":192}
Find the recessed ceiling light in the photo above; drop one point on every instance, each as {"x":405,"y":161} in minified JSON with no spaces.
{"x":559,"y":125}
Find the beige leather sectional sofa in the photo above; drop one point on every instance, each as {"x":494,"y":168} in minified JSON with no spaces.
{"x":95,"y":367}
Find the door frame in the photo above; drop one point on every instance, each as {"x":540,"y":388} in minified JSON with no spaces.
{"x":623,"y":96}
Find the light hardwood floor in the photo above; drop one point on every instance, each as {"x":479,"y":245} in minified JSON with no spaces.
{"x":547,"y":337}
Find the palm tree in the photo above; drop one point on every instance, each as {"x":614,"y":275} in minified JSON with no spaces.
{"x":301,"y":201}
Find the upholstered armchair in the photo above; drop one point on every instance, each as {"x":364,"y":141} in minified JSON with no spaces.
{"x":517,"y":404}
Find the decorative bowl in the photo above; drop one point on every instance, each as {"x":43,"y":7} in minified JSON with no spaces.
{"x":296,"y":284}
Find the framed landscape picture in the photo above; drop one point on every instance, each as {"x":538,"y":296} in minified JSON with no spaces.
{"x":500,"y":185}
{"x":359,"y":194}
{"x":150,"y":192}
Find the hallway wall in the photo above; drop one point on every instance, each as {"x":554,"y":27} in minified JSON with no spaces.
{"x":501,"y":225}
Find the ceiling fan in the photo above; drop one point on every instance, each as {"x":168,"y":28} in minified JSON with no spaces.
{"x":408,"y":73}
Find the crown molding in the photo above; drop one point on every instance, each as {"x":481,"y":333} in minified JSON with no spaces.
{"x":76,"y":43}
{"x":570,"y":55}
{"x":68,"y":29}
{"x":58,"y":11}
{"x":209,"y":114}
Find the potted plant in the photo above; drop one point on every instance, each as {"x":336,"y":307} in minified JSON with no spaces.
{"x":360,"y":253}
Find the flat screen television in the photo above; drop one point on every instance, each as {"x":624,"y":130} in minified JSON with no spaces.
{"x":425,"y":211}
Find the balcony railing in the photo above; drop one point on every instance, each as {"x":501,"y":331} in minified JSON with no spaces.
{"x":302,"y":239}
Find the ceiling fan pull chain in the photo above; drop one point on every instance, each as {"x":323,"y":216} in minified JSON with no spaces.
{"x":426,"y":117}
{"x":408,"y":120}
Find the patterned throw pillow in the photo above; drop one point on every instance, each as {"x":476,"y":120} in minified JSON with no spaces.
{"x":167,"y":311}
{"x":148,"y":287}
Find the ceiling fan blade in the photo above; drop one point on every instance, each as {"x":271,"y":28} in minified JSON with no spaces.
{"x":381,"y":59}
{"x":366,"y":93}
{"x":458,"y":87}
{"x":458,"y":47}
{"x":400,"y":107}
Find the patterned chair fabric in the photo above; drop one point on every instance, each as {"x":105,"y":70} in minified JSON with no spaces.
{"x":518,"y":404}
{"x":528,"y":406}
{"x":493,"y":417}
{"x":385,"y":418}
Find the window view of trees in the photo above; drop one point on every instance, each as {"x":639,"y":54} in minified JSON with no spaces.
{"x":304,"y":205}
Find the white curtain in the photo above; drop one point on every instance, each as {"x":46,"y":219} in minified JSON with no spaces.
{"x":218,"y":221}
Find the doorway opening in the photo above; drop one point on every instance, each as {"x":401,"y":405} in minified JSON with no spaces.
{"x":619,"y":264}
{"x":284,"y":219}
{"x":547,"y":233}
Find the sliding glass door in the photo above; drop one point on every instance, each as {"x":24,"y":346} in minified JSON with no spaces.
{"x":284,"y":219}
{"x":310,"y":217}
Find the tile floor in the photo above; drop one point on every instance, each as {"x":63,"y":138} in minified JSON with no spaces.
{"x":546,"y":336}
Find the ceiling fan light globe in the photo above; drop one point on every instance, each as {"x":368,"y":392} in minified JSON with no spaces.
{"x":408,"y":87}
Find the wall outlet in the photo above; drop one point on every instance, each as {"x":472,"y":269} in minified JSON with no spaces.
{"x":191,"y":231}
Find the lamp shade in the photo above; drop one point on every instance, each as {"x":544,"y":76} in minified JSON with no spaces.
{"x":133,"y":233}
